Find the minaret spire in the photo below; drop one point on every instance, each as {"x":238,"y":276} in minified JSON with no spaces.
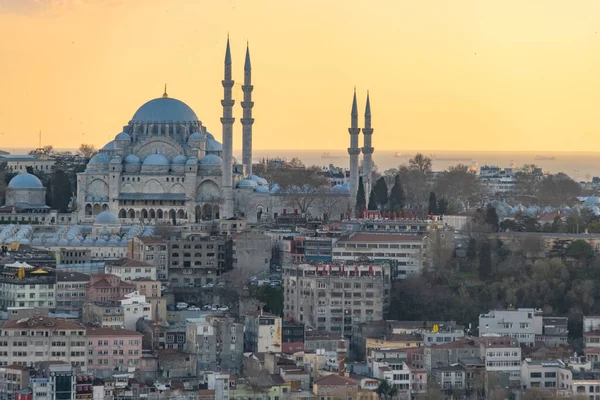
{"x":227,"y":122}
{"x":247,"y":119}
{"x":353,"y":150}
{"x":165,"y":93}
{"x":367,"y":150}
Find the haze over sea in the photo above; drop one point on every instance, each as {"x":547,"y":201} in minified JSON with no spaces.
{"x":581,"y":166}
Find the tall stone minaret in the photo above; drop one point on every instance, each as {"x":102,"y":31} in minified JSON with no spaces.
{"x":354,"y":150}
{"x":247,"y":119}
{"x":227,"y":121}
{"x":368,"y":150}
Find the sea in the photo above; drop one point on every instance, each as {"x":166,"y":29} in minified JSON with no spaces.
{"x":580,"y":166}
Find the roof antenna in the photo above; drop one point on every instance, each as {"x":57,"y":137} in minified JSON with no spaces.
{"x":165,"y":95}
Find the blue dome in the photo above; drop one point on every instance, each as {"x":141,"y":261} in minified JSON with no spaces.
{"x":211,"y":160}
{"x":341,"y":188}
{"x":165,"y":109}
{"x":247,"y":184}
{"x":213,"y":145}
{"x":123,"y":136}
{"x":132,"y":159}
{"x":156,"y":159}
{"x":192,"y":160}
{"x":196,"y":137}
{"x":262,"y":189}
{"x":107,"y":217}
{"x":100,"y":159}
{"x":180,"y":159}
{"x":258,"y":180}
{"x":25,"y":181}
{"x":109,"y":146}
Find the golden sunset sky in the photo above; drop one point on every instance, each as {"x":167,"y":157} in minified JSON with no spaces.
{"x":443,"y":74}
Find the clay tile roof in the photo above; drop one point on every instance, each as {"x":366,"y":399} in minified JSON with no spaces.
{"x":42,"y":323}
{"x":592,"y":333}
{"x":335,"y":380}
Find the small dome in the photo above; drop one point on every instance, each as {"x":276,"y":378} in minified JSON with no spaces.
{"x":124,"y":136}
{"x":247,"y":184}
{"x":109,"y":146}
{"x":180,"y":159}
{"x":262,"y":189}
{"x":156,"y":159}
{"x":196,"y":137}
{"x":100,"y":242}
{"x":100,"y":159}
{"x":592,"y":200}
{"x":193,"y":160}
{"x":165,"y":109}
{"x":63,"y":242}
{"x":116,"y":160}
{"x":113,"y":242}
{"x":340,"y":189}
{"x":107,"y":217}
{"x":88,"y":241}
{"x":211,"y":160}
{"x":258,"y":180}
{"x":132,"y":159}
{"x":275,"y":188}
{"x":213,"y":145}
{"x":25,"y":181}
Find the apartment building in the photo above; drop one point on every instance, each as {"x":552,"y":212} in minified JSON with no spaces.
{"x":544,"y":374}
{"x":451,"y":378}
{"x":262,"y":333}
{"x":57,"y":380}
{"x":13,"y":378}
{"x":522,"y":324}
{"x":502,"y":355}
{"x":250,"y":252}
{"x":443,"y":355}
{"x":71,"y":291}
{"x":196,"y":260}
{"x":406,"y":251}
{"x":104,"y":314}
{"x":147,"y":287}
{"x":107,"y":287}
{"x":152,"y":250}
{"x":292,"y":337}
{"x":333,"y":297}
{"x":217,"y":341}
{"x":129,"y":270}
{"x":29,"y":341}
{"x":112,"y":351}
{"x":22,"y":285}
{"x":409,"y":225}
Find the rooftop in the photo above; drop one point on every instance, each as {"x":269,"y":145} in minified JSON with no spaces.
{"x":95,"y":331}
{"x":42,"y":323}
{"x":68,"y":276}
{"x":375,"y":237}
{"x":335,"y":380}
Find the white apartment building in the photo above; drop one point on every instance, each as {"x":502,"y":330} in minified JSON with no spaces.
{"x":522,"y":324}
{"x":547,"y":375}
{"x":134,"y":307}
{"x":36,"y":288}
{"x":502,"y":354}
{"x":591,"y":323}
{"x":333,"y":297}
{"x":497,"y":180}
{"x":129,"y":270}
{"x":407,"y":251}
{"x":398,"y":376}
{"x":219,"y":383}
{"x":262,"y":333}
{"x":29,"y":341}
{"x":452,"y":377}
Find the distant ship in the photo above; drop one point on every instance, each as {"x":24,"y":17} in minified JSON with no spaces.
{"x":544,"y":158}
{"x":328,"y":155}
{"x":398,"y":155}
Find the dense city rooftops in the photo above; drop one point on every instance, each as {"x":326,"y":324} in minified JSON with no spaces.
{"x":43,"y":323}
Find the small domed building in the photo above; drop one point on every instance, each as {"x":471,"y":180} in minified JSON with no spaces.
{"x":26,"y":191}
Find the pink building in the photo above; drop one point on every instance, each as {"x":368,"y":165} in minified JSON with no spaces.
{"x":113,"y":351}
{"x":107,"y":287}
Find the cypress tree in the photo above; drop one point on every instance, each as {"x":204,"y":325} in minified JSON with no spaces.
{"x":442,"y":206}
{"x":397,"y":198}
{"x":433,"y":206}
{"x":381,"y":192}
{"x":361,"y":199}
{"x":372,"y":201}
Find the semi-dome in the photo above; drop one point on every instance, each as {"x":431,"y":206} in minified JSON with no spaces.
{"x":192,"y":160}
{"x":25,"y":181}
{"x":247,"y":184}
{"x":196,"y":137}
{"x":123,"y":136}
{"x":258,"y":180}
{"x":211,"y":160}
{"x":261,"y":189}
{"x":109,"y":146}
{"x":165,"y":109}
{"x":213,"y":145}
{"x":107,"y":217}
{"x":156,"y":159}
{"x":132,"y":159}
{"x":100,"y":159}
{"x":341,"y":188}
{"x":179,"y":159}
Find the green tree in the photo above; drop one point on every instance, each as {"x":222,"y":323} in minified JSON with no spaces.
{"x":87,"y":150}
{"x":372,"y":201}
{"x":485,"y":260}
{"x":442,"y":206}
{"x":491,"y":218}
{"x":385,"y":390}
{"x":557,"y":189}
{"x":381,"y":192}
{"x":361,"y":201}
{"x":271,"y":297}
{"x":61,"y":191}
{"x":594,"y":227}
{"x":459,"y":184}
{"x":433,"y":205}
{"x":415,"y":178}
{"x":397,"y":199}
{"x":580,"y":250}
{"x":527,"y":182}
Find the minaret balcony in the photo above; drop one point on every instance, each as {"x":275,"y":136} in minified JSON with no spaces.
{"x":354,"y":131}
{"x":368,"y":150}
{"x":227,"y":103}
{"x":353,"y":152}
{"x":247,"y":121}
{"x":247,"y":104}
{"x":247,"y":88}
{"x":367,"y":131}
{"x":227,"y":121}
{"x":227,"y":84}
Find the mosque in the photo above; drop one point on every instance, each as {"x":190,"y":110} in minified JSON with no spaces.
{"x":166,"y":167}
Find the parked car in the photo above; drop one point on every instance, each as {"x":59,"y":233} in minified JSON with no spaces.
{"x":215,"y":307}
{"x":208,"y":286}
{"x":223,"y":308}
{"x":193,"y":308}
{"x":171,"y":307}
{"x":181,"y":306}
{"x":221,"y":284}
{"x":206,"y":307}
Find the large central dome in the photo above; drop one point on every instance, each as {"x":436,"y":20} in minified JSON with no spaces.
{"x":165,"y":109}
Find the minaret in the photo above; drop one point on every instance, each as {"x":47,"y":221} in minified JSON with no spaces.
{"x":227,"y":121}
{"x":354,"y":150}
{"x":368,"y":150}
{"x":247,"y":119}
